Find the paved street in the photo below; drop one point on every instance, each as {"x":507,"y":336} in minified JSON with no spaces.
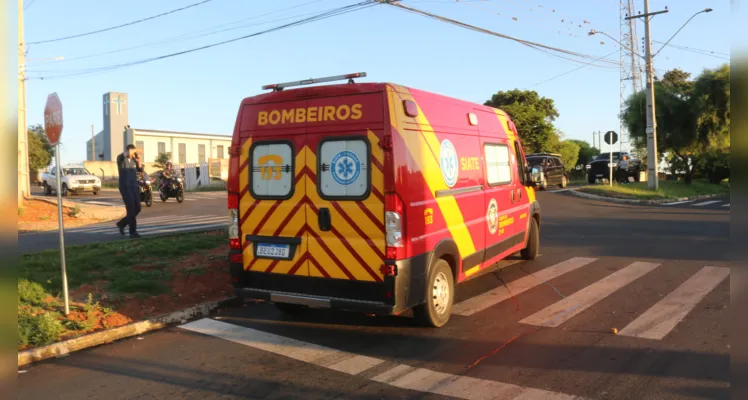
{"x":535,"y":330}
{"x":200,"y":210}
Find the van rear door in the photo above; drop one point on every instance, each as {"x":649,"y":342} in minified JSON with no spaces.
{"x":274,"y":208}
{"x":346,"y":191}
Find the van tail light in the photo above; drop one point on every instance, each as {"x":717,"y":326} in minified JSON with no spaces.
{"x":393,"y":223}
{"x":233,"y":205}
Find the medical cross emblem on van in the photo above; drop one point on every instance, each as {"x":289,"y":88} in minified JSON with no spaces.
{"x":346,"y":168}
{"x":449,"y":163}
{"x":379,"y":212}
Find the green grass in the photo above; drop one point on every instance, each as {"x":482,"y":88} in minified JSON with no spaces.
{"x":138,"y":268}
{"x":666,"y":190}
{"x":114,"y":262}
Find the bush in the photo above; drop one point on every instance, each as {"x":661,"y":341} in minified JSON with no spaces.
{"x":715,"y":165}
{"x":31,"y":293}
{"x":38,"y":330}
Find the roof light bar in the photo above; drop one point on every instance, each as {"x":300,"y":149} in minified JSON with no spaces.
{"x":280,"y":86}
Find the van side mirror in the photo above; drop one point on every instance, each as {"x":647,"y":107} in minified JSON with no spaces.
{"x":533,"y":176}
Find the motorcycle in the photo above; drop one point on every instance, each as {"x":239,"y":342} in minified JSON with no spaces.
{"x":173,"y":187}
{"x":146,"y":192}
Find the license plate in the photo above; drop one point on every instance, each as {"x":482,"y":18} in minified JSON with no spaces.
{"x":273,"y":250}
{"x":599,"y":175}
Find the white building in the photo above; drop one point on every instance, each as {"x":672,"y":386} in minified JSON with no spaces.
{"x":117,"y":134}
{"x":189,"y":148}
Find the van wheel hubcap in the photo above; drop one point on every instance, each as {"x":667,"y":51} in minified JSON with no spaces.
{"x":440,"y":293}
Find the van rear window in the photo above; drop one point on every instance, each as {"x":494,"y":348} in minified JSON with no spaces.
{"x":343,"y":169}
{"x":272,"y":170}
{"x":498,"y":170}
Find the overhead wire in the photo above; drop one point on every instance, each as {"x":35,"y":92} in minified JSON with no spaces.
{"x":592,"y":65}
{"x":531,"y":44}
{"x":319,"y":16}
{"x":567,"y":72}
{"x":709,"y":53}
{"x":28,"y":4}
{"x":123,"y":25}
{"x":197,"y":34}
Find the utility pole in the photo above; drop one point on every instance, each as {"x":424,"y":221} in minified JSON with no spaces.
{"x":651,"y":130}
{"x":24,"y":186}
{"x":93,"y":144}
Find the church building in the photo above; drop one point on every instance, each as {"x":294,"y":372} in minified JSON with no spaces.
{"x":185,"y":147}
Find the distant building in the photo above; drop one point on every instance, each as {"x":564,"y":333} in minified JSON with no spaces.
{"x":117,"y":134}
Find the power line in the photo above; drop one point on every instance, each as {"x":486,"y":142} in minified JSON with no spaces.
{"x":533,"y":45}
{"x":122,"y":25}
{"x":569,"y":71}
{"x":710,"y":53}
{"x":197,"y":34}
{"x":552,"y":54}
{"x":28,"y":4}
{"x":320,"y":16}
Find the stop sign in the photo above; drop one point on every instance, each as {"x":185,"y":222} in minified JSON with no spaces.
{"x":53,"y":118}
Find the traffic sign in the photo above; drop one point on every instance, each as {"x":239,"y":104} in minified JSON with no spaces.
{"x":53,"y":118}
{"x":611,"y":137}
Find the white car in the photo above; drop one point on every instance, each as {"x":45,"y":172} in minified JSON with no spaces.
{"x":74,"y":180}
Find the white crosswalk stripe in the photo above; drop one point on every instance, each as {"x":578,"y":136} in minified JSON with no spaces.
{"x":160,"y":225}
{"x":677,"y":202}
{"x":700,"y":204}
{"x":501,"y":293}
{"x":706,"y":203}
{"x":654,"y":323}
{"x":398,"y":375}
{"x":570,"y":306}
{"x":659,"y":320}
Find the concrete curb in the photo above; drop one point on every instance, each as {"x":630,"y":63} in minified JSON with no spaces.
{"x":61,"y":349}
{"x":637,"y":201}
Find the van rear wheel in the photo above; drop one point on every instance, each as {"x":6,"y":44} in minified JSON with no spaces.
{"x":435,"y":312}
{"x":530,"y":252}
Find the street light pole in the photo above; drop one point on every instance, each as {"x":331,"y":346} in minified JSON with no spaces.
{"x":651,"y":130}
{"x":24,"y":185}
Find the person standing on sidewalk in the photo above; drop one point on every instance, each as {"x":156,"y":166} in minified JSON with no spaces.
{"x":128,"y":165}
{"x":623,"y":166}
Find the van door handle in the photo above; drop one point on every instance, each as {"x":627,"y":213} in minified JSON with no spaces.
{"x":324,"y":220}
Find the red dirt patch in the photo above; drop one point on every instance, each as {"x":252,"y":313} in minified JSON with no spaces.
{"x":40,"y":215}
{"x":196,"y":279}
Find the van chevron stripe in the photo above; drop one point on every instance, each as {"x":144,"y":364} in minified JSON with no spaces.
{"x":353,"y":250}
{"x":430,"y":168}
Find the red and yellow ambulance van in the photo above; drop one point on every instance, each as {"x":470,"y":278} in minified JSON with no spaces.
{"x":373,"y":197}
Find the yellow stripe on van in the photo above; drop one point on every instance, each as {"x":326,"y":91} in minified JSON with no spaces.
{"x":376,"y":149}
{"x":504,"y":121}
{"x":420,"y":148}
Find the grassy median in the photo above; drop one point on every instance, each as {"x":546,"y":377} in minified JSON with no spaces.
{"x":111,"y":284}
{"x":666,"y":190}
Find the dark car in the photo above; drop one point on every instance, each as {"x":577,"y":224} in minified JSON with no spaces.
{"x":599,"y":169}
{"x":552,"y":171}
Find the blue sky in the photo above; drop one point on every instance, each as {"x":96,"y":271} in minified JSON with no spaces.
{"x":201,"y":91}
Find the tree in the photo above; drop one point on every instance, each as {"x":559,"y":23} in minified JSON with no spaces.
{"x":40,"y":151}
{"x":693,"y":118}
{"x":533,"y":115}
{"x":569,"y":151}
{"x":587,"y":153}
{"x":161,"y":160}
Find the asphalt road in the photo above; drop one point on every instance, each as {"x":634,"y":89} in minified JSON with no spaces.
{"x":199,"y":211}
{"x":655,"y":273}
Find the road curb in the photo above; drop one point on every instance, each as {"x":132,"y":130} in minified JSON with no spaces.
{"x":637,"y":201}
{"x":61,"y":349}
